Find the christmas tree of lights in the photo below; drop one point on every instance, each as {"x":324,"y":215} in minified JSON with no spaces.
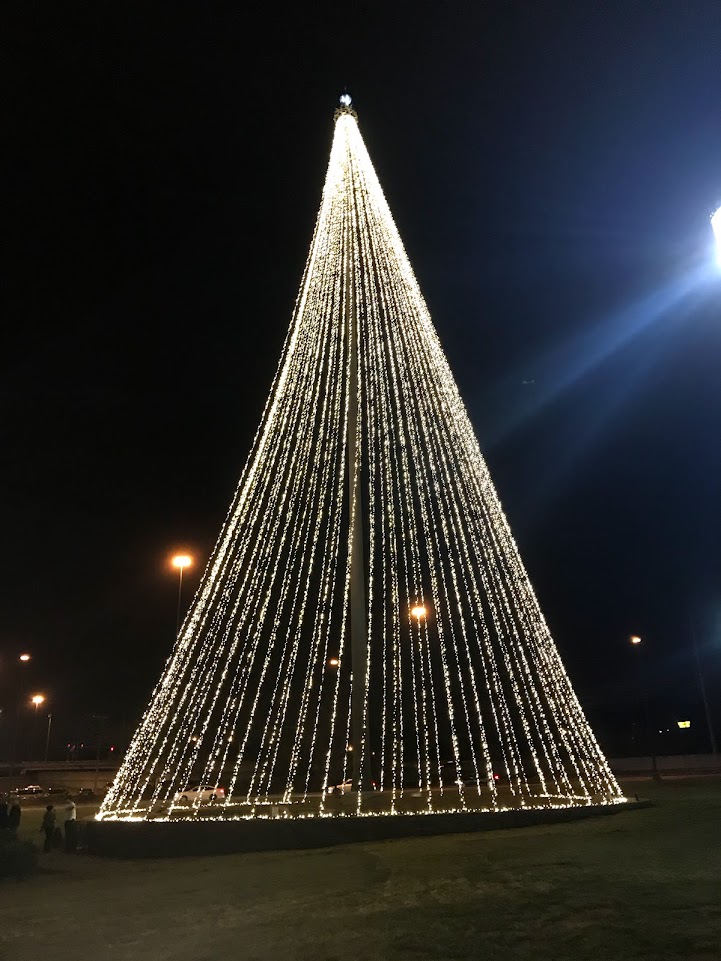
{"x":365,"y":638}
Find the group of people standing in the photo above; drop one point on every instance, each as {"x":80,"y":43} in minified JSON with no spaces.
{"x":10,"y":813}
{"x":55,"y":837}
{"x":51,"y":829}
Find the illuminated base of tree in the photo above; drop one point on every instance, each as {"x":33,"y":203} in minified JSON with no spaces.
{"x":288,"y":828}
{"x":372,"y":804}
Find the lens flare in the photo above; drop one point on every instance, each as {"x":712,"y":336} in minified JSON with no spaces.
{"x":716,"y":227}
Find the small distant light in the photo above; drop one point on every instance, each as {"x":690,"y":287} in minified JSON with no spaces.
{"x":683,"y":724}
{"x":349,"y":748}
{"x":37,"y":699}
{"x":418,"y":611}
{"x":24,"y":657}
{"x":635,"y":639}
{"x":346,"y":99}
{"x":182,"y":560}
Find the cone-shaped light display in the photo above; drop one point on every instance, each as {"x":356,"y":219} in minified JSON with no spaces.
{"x":365,"y":638}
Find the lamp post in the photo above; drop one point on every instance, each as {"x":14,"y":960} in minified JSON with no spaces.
{"x":36,"y":700}
{"x":650,"y":739}
{"x":47,"y":736}
{"x":100,"y":718}
{"x":418,"y":612}
{"x":23,"y":660}
{"x":694,"y":638}
{"x":180,"y":562}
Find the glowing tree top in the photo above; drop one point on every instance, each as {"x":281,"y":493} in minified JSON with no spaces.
{"x":365,"y":637}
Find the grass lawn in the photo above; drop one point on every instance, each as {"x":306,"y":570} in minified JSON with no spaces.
{"x":638,"y":885}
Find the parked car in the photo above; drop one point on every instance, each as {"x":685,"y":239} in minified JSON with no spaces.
{"x":344,"y":786}
{"x":31,"y":790}
{"x":341,"y":788}
{"x":200,"y":794}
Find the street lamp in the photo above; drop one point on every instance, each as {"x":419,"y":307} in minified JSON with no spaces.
{"x":47,"y":736}
{"x":650,"y":738}
{"x":180,"y":561}
{"x":694,"y":638}
{"x":23,"y":659}
{"x":37,"y":700}
{"x":419,"y":612}
{"x":100,"y":718}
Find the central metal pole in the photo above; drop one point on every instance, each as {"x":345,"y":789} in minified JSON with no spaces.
{"x":358,"y":633}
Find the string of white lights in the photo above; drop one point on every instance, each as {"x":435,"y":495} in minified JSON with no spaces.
{"x":408,"y":404}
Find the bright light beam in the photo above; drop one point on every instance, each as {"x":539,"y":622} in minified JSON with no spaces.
{"x":716,"y":227}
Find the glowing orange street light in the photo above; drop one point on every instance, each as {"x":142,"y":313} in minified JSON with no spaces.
{"x":180,"y":561}
{"x":635,"y":639}
{"x":37,"y":700}
{"x":24,"y":657}
{"x":333,"y":662}
{"x":418,"y":611}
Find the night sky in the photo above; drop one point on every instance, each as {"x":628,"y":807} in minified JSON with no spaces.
{"x":551,"y":167}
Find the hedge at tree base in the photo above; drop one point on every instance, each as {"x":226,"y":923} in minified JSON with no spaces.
{"x":179,"y":838}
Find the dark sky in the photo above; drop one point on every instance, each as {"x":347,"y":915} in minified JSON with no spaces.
{"x":552,"y":168}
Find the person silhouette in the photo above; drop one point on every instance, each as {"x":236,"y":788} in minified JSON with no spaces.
{"x":14,"y":813}
{"x":71,"y":825}
{"x":48,"y":827}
